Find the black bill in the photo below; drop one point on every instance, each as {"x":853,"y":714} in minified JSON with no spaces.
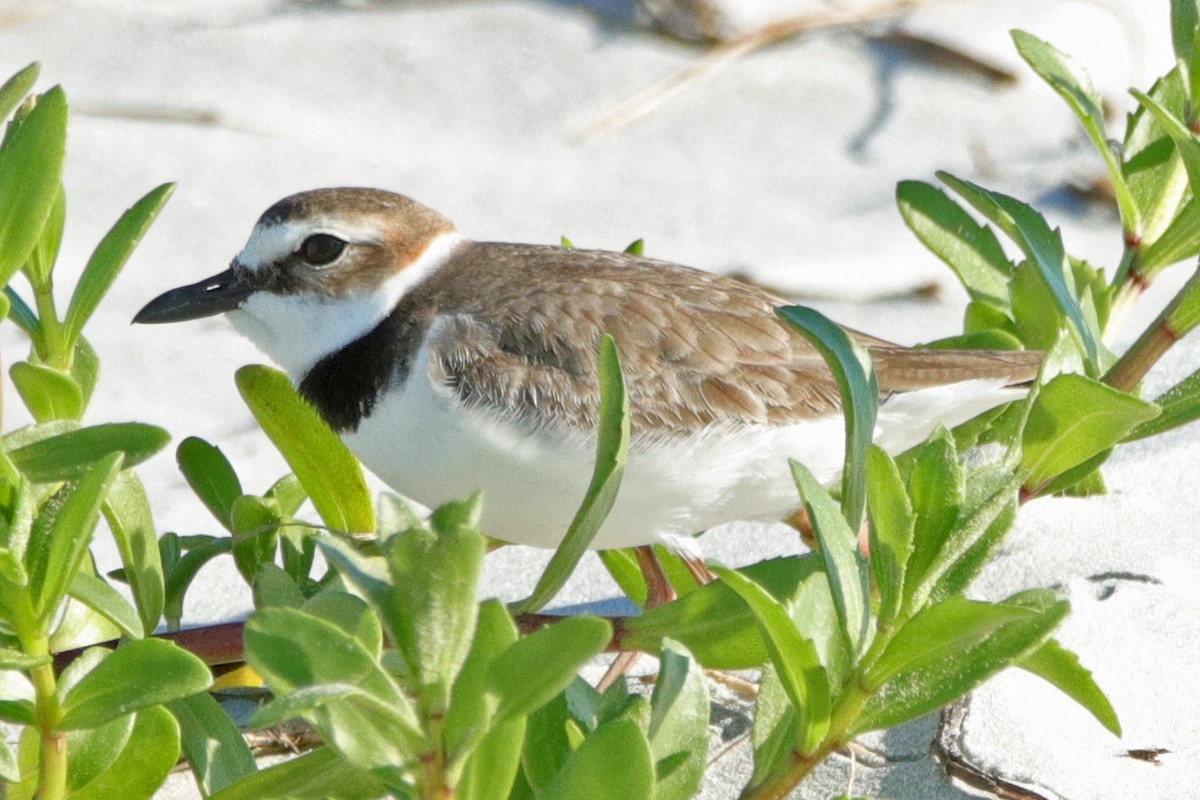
{"x":215,"y":295}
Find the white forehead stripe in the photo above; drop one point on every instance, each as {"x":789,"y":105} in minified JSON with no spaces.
{"x":271,"y":241}
{"x":298,"y":330}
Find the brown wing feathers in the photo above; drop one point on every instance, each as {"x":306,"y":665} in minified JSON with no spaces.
{"x":697,"y":350}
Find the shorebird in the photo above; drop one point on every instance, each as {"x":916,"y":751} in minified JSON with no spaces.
{"x":449,"y":365}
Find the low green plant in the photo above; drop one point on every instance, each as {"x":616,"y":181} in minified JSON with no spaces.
{"x":99,"y":727}
{"x":417,"y":688}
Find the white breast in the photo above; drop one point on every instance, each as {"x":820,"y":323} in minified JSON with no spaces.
{"x":424,"y":444}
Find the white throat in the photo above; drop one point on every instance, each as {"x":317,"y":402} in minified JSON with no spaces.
{"x":298,"y":330}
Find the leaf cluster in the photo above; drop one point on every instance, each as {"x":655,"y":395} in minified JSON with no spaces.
{"x":101,"y":726}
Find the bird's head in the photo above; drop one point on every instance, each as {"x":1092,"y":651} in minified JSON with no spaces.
{"x":320,"y":269}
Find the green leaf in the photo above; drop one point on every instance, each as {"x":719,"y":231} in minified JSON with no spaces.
{"x":45,"y":252}
{"x":16,"y":87}
{"x":21,"y":437}
{"x":936,"y":486}
{"x":1185,"y":141}
{"x":18,"y":712}
{"x":288,"y":493}
{"x":550,"y":734}
{"x":179,"y":577}
{"x":937,"y":632}
{"x":109,"y":257}
{"x":16,"y":526}
{"x":127,"y":511}
{"x":305,"y":701}
{"x":968,"y":248}
{"x":1152,"y":167}
{"x":1094,"y":292}
{"x":97,"y":595}
{"x":1038,"y":321}
{"x":94,"y":750}
{"x":274,"y":587}
{"x":1061,"y":668}
{"x":68,"y":456}
{"x":85,"y":368}
{"x":775,"y":727}
{"x":679,"y":712}
{"x":293,"y":650}
{"x":986,"y":515}
{"x":22,"y":315}
{"x":1073,"y":419}
{"x":46,"y":392}
{"x":30,"y":174}
{"x":470,"y":711}
{"x":589,"y":773}
{"x":350,"y":614}
{"x":993,"y":339}
{"x":847,"y":571}
{"x":432,"y":619}
{"x":137,"y":675}
{"x":148,"y":757}
{"x":715,"y":624}
{"x":365,"y":575}
{"x":1184,"y":20}
{"x":859,"y":390}
{"x":622,"y":565}
{"x":212,"y":744}
{"x":330,"y":474}
{"x":320,"y":774}
{"x":1180,"y":405}
{"x":612,"y":450}
{"x":1180,"y":241}
{"x":1041,"y":245}
{"x":490,"y":771}
{"x":255,"y":524}
{"x":982,"y":316}
{"x":1074,"y":85}
{"x":211,"y":476}
{"x":794,"y":657}
{"x":892,"y":526}
{"x":915,"y":693}
{"x":16,"y":660}
{"x":58,"y":546}
{"x":79,"y":668}
{"x":554,"y":653}
{"x":79,"y":626}
{"x":636,"y":248}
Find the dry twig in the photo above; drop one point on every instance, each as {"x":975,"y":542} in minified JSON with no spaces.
{"x":729,"y":51}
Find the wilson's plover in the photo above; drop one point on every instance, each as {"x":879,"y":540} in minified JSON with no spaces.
{"x":449,"y":365}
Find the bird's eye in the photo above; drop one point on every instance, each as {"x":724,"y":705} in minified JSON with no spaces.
{"x":321,"y":248}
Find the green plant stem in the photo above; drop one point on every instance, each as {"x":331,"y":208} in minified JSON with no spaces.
{"x":1130,"y":284}
{"x":780,"y":784}
{"x":52,"y":339}
{"x":433,"y":762}
{"x":52,"y":772}
{"x":52,"y":767}
{"x":1154,"y":341}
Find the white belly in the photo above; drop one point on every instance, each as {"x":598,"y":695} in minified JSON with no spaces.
{"x":423,"y":444}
